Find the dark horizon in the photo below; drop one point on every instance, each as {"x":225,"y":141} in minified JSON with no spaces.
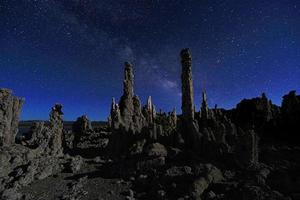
{"x":72,"y":52}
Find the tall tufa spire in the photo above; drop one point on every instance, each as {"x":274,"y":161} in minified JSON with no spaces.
{"x":187,"y":85}
{"x":204,"y":106}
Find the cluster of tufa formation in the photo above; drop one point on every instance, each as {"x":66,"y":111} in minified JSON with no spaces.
{"x":131,"y":123}
{"x":208,"y":132}
{"x":48,"y":139}
{"x":86,"y":140}
{"x":38,"y":157}
{"x":162,"y":155}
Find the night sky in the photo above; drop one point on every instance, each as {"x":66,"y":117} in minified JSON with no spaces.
{"x":72,"y":51}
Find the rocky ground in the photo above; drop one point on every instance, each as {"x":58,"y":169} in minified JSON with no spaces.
{"x":88,"y":183}
{"x":278,"y":177}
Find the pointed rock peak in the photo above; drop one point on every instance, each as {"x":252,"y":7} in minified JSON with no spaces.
{"x":204,"y":97}
{"x":128,"y":65}
{"x":57,"y":108}
{"x":185,"y":54}
{"x":5,"y":91}
{"x":149,"y":103}
{"x":174,"y":111}
{"x":263,"y":95}
{"x":292,"y":93}
{"x":136,"y":97}
{"x":113,"y":103}
{"x":128,"y":80}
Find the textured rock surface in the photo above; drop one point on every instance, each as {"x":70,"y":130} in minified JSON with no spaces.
{"x":256,"y":112}
{"x":131,"y":123}
{"x":86,"y":140}
{"x":187,"y":107}
{"x":10,"y":108}
{"x":82,"y":125}
{"x":36,"y":159}
{"x":56,"y":127}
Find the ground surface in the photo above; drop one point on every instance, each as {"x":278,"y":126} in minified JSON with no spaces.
{"x":96,"y":187}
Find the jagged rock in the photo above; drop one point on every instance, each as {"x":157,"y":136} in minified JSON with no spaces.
{"x":155,"y":156}
{"x":247,"y":149}
{"x":69,"y":140}
{"x":126,"y":102}
{"x":130,"y":122}
{"x":256,"y":112}
{"x":56,"y":126}
{"x":150,"y":164}
{"x":209,"y":174}
{"x":24,"y":166}
{"x":251,"y":192}
{"x":48,"y":138}
{"x":211,"y":195}
{"x":46,"y":167}
{"x":75,"y":164}
{"x":130,"y":195}
{"x":290,"y":117}
{"x":156,"y":150}
{"x":198,"y":187}
{"x":114,"y":119}
{"x":21,"y":165}
{"x":290,"y":107}
{"x":204,"y":107}
{"x":183,"y":173}
{"x":137,"y":147}
{"x":149,"y":111}
{"x":86,"y":141}
{"x":11,"y":194}
{"x":10,"y":108}
{"x":82,"y":125}
{"x":209,"y":171}
{"x":161,"y":194}
{"x":75,"y":190}
{"x":39,"y":137}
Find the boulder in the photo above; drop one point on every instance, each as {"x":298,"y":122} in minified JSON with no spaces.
{"x":156,"y":150}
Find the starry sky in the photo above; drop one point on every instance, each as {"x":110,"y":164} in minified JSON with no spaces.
{"x":72,"y":51}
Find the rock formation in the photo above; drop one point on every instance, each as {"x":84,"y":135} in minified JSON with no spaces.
{"x":255,"y":112}
{"x":204,"y":107}
{"x":128,"y":113}
{"x":131,"y":123}
{"x":163,"y":153}
{"x":187,"y":86}
{"x":290,"y":116}
{"x":189,"y":126}
{"x":36,"y":159}
{"x":209,"y":132}
{"x":85,"y":140}
{"x":10,"y":108}
{"x":56,"y":127}
{"x":82,"y":125}
{"x":48,"y":138}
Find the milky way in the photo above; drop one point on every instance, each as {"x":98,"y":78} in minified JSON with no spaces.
{"x":73,"y":51}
